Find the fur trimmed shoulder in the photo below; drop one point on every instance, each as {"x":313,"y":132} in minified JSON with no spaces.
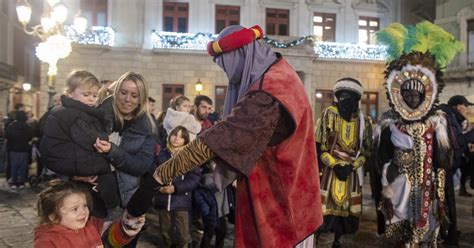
{"x":440,"y":124}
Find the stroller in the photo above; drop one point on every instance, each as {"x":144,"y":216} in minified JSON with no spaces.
{"x":37,"y":173}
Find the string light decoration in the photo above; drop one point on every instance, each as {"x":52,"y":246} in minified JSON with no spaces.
{"x":327,"y":50}
{"x":186,"y":41}
{"x":96,"y":35}
{"x":334,"y":50}
{"x":299,"y":41}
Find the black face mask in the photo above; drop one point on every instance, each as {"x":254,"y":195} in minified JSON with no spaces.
{"x":347,"y":104}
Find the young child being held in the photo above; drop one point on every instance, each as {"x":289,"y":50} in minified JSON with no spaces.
{"x":63,"y":209}
{"x":178,"y":114}
{"x":67,"y":150}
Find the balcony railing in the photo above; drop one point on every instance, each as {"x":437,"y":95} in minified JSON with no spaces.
{"x":102,"y":36}
{"x":326,"y":50}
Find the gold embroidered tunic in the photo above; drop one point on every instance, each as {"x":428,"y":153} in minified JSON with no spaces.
{"x":341,"y":144}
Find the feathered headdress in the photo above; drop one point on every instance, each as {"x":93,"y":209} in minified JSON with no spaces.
{"x":423,"y":37}
{"x":416,"y":57}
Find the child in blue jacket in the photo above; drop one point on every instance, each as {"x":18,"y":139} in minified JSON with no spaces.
{"x":174,"y":201}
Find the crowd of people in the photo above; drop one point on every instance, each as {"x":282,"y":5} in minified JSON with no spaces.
{"x":258,"y":165}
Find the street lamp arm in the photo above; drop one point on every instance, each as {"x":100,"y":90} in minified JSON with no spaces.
{"x":36,"y":31}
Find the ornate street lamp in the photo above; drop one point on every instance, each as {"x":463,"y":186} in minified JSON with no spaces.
{"x":54,"y":43}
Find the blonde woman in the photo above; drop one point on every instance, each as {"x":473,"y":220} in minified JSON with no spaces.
{"x":130,"y":149}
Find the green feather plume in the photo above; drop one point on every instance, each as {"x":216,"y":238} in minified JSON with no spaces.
{"x":423,"y":37}
{"x":393,"y":37}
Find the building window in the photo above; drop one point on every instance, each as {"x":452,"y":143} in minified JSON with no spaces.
{"x":226,"y":16}
{"x":370,"y":104}
{"x":324,"y":99}
{"x":368,"y":26}
{"x":324,"y":27}
{"x":175,"y":17}
{"x":221,"y":91}
{"x":95,"y":11}
{"x":170,"y":91}
{"x":470,"y":42}
{"x":278,"y":22}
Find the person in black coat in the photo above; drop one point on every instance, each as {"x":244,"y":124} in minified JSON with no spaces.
{"x":70,"y":133}
{"x":18,"y":135}
{"x":460,"y":141}
{"x":174,"y":201}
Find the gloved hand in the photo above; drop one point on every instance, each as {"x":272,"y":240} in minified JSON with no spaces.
{"x":343,"y":171}
{"x":141,"y":200}
{"x":132,"y":225}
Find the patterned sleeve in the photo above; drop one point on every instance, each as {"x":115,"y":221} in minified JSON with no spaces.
{"x":326,"y":138}
{"x":115,"y":236}
{"x":239,"y":140}
{"x":194,"y":154}
{"x":242,"y":137}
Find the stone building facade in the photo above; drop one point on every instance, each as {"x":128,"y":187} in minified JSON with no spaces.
{"x":457,"y":17}
{"x":135,"y":24}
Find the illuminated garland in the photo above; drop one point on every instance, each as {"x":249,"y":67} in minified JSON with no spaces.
{"x":103,"y":36}
{"x":288,"y":44}
{"x":172,"y":40}
{"x":335,"y":50}
{"x":328,"y":50}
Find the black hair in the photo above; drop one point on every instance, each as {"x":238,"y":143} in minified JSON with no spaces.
{"x":200,"y":98}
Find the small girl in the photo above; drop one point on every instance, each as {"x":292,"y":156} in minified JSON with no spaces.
{"x":178,"y":114}
{"x":174,"y":201}
{"x":63,"y":209}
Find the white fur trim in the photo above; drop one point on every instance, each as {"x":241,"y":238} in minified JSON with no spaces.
{"x":387,"y":192}
{"x":348,"y":85}
{"x":440,"y":124}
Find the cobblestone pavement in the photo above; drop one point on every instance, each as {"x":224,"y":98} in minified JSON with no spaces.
{"x":18,"y":218}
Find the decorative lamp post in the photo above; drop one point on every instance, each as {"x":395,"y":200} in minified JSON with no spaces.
{"x":198,"y":86}
{"x":54,"y":43}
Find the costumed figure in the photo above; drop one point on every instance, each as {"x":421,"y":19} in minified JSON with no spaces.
{"x":414,"y":146}
{"x":266,"y":140}
{"x":345,"y":136}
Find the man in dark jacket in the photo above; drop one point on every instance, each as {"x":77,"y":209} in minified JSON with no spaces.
{"x":18,"y":135}
{"x":455,"y":110}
